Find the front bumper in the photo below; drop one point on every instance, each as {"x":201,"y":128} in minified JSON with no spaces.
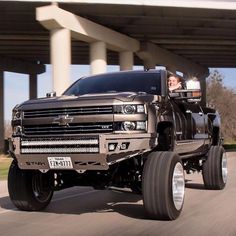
{"x":135,"y":144}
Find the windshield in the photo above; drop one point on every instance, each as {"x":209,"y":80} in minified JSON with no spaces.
{"x":148,"y":82}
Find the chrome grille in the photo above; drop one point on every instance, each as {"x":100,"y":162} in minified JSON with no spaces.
{"x":54,"y":129}
{"x":60,"y":145}
{"x":71,"y":111}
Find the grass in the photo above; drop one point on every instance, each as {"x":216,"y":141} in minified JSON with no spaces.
{"x":229,"y":147}
{"x":5,"y":162}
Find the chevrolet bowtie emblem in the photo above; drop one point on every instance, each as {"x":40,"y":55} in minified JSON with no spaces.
{"x":63,"y":120}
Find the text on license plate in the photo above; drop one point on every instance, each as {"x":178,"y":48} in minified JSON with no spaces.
{"x":60,"y":163}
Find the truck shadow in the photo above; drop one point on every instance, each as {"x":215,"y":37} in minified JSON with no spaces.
{"x":5,"y":203}
{"x":101,"y":201}
{"x":76,"y":202}
{"x":96,"y":201}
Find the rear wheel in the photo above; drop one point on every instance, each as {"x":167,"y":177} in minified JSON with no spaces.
{"x":215,"y":169}
{"x":29,"y":190}
{"x":163,"y":185}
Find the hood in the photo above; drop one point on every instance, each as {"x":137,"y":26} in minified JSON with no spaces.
{"x":83,"y":100}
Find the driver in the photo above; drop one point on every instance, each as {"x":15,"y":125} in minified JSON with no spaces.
{"x":174,"y":82}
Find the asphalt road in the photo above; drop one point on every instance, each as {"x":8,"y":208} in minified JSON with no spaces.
{"x":85,"y":211}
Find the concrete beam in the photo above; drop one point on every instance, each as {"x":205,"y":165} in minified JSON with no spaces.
{"x":20,"y":66}
{"x":201,"y":47}
{"x":206,"y":4}
{"x":1,"y":111}
{"x":151,"y":52}
{"x":172,"y":69}
{"x":193,"y":41}
{"x":149,"y":63}
{"x":53,"y":17}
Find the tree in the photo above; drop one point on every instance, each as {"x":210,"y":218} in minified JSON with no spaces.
{"x":224,"y":101}
{"x":8,"y":129}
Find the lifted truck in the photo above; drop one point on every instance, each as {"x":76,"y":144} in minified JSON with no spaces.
{"x":120,"y":129}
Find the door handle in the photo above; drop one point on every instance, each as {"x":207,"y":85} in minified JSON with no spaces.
{"x":200,"y":113}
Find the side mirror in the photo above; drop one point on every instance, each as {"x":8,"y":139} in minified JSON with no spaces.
{"x":191,"y":93}
{"x":193,"y":90}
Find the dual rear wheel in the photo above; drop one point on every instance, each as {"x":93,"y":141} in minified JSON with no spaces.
{"x":215,"y":169}
{"x":163,"y":181}
{"x":163,"y":185}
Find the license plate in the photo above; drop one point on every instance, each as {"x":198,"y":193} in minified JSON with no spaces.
{"x":60,"y":163}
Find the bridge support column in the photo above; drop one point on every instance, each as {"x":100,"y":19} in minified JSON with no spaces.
{"x":33,"y":86}
{"x":98,"y":58}
{"x":126,"y":60}
{"x":60,"y":59}
{"x":1,"y":111}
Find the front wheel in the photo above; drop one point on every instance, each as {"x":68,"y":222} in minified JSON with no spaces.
{"x":29,"y":190}
{"x":215,"y":169}
{"x":163,"y":185}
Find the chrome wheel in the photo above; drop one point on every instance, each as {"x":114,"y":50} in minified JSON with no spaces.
{"x":214,"y":169}
{"x":224,"y":167}
{"x":178,"y":186}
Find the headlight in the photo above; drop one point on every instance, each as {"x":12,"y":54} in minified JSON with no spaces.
{"x":133,"y":125}
{"x":140,"y":109}
{"x":141,"y":125}
{"x":16,"y":122}
{"x":17,"y":130}
{"x":129,"y":109}
{"x":16,"y":115}
{"x":128,"y":125}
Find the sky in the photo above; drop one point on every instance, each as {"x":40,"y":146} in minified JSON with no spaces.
{"x":16,"y":86}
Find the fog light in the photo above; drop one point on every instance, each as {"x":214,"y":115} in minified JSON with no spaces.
{"x":124,"y":146}
{"x":112,"y":146}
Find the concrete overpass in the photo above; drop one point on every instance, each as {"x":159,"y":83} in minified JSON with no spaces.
{"x":186,"y":36}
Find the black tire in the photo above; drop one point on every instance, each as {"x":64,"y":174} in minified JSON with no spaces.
{"x":29,"y":190}
{"x":158,"y":197}
{"x":215,"y":169}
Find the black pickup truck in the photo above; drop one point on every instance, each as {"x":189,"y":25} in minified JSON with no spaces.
{"x":122,"y":129}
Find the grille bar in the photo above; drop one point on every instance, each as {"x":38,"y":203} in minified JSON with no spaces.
{"x":73,"y":111}
{"x":70,"y":129}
